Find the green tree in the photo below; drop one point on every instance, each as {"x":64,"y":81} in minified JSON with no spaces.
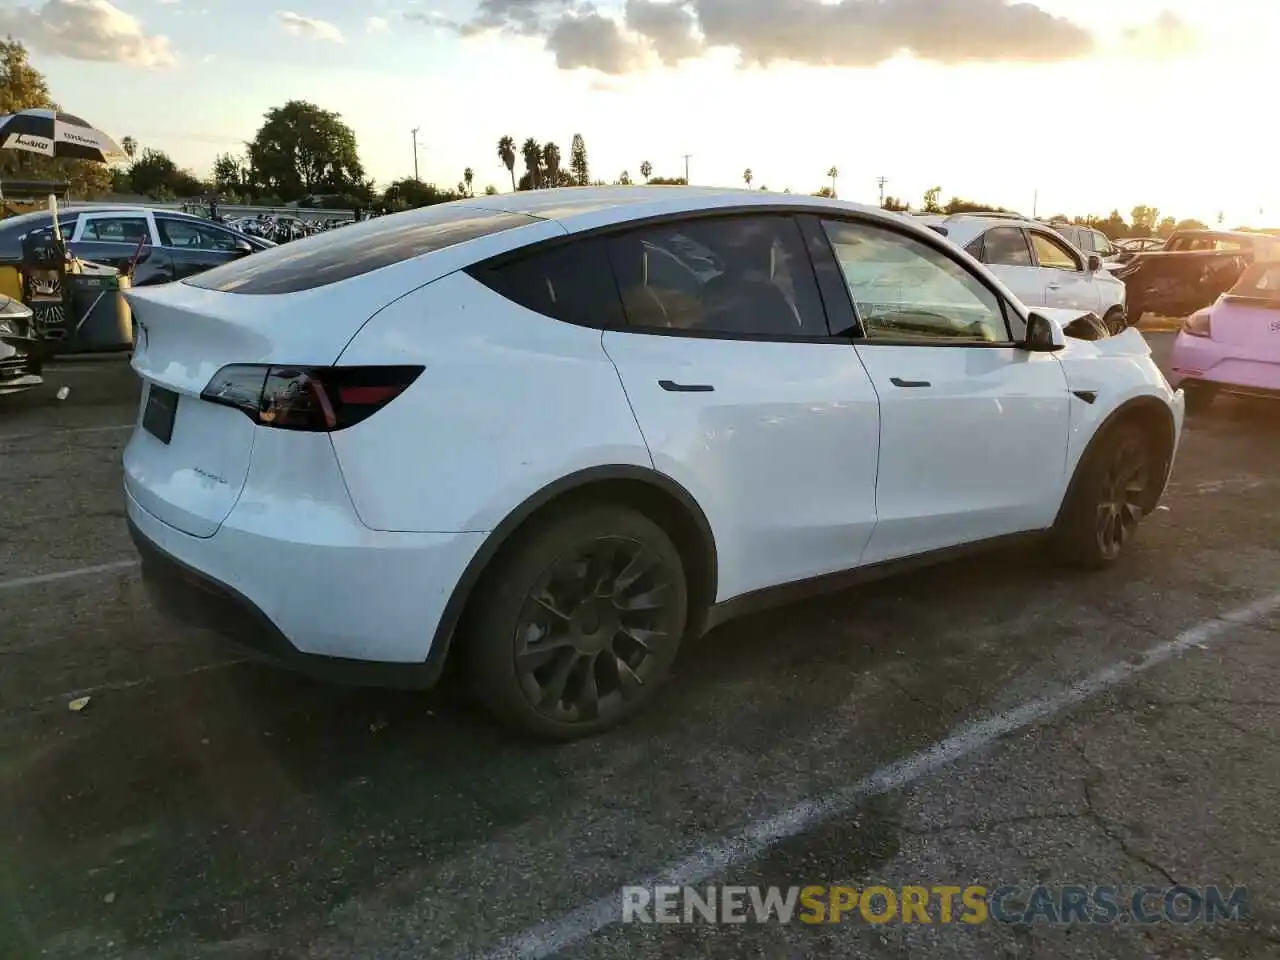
{"x":833,"y":173}
{"x":669,"y":181}
{"x":1144,"y":220}
{"x":130,"y":147}
{"x":153,"y":174}
{"x":491,"y":191}
{"x":578,"y":161}
{"x":551,"y":161}
{"x":23,"y":87}
{"x":624,"y":179}
{"x":227,"y":173}
{"x":407,"y":193}
{"x":531,"y":153}
{"x":825,"y":192}
{"x":931,"y":198}
{"x":896,"y":205}
{"x":302,"y":149}
{"x":1166,"y":227}
{"x":507,"y":154}
{"x":1113,"y":226}
{"x":747,"y":177}
{"x":468,"y":177}
{"x":646,"y":170}
{"x":1190,"y":225}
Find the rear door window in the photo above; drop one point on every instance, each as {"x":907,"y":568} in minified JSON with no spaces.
{"x":1006,"y":247}
{"x":743,"y":276}
{"x":360,"y":248}
{"x":116,"y":229}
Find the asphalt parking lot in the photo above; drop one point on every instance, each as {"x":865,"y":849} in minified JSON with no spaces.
{"x":994,"y":722}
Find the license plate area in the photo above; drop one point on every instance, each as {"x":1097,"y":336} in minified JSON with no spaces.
{"x":159,"y":413}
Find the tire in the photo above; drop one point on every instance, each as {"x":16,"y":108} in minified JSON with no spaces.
{"x":1116,"y":321}
{"x":1199,"y":398}
{"x":576,"y":625}
{"x":1106,"y":500}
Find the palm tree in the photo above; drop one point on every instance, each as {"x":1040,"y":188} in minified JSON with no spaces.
{"x":747,"y":177}
{"x":507,"y":154}
{"x":833,"y":173}
{"x":130,"y":147}
{"x":646,"y":170}
{"x":531,"y":150}
{"x":468,"y":175}
{"x":551,"y":160}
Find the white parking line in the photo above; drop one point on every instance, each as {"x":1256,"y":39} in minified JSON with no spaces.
{"x":711,"y":861}
{"x":56,"y":432}
{"x":18,"y":582}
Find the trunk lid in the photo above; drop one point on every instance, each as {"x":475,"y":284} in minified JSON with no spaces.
{"x":1248,"y":322}
{"x":184,"y":336}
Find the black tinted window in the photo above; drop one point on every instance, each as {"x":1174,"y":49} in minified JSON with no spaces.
{"x":570,"y":282}
{"x":362,"y":247}
{"x":1007,"y":246}
{"x":746,"y":276}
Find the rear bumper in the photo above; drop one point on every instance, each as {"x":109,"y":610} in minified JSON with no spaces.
{"x":357,"y":613}
{"x":1227,"y":366}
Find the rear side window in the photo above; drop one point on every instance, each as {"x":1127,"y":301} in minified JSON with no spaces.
{"x":360,"y":248}
{"x":571,"y":282}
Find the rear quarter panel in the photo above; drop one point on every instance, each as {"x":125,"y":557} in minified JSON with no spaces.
{"x":509,"y":402}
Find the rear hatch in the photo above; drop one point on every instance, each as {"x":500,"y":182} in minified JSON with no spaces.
{"x":1248,"y":322}
{"x":188,"y":459}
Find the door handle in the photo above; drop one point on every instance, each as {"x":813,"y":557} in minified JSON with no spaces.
{"x":899,"y":382}
{"x":1055,"y":286}
{"x":672,"y":387}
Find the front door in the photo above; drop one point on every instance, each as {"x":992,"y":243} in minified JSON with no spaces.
{"x":1068,"y":283}
{"x":195,"y":247}
{"x":973,"y":429}
{"x":743,"y":396}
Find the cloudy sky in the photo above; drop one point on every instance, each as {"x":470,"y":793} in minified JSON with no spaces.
{"x":1093,"y":103}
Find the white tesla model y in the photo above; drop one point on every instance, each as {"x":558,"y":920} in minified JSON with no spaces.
{"x":556,"y":432}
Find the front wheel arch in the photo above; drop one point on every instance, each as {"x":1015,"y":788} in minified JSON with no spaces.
{"x":1156,"y":421}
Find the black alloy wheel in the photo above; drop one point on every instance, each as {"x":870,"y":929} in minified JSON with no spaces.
{"x":1125,"y":477}
{"x":581,"y":623}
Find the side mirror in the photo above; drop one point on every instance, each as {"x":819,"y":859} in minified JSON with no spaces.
{"x":243,"y":247}
{"x":1094,"y":263}
{"x":1043,"y":335}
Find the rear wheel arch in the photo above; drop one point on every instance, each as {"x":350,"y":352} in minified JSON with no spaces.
{"x":1155,"y":420}
{"x":654,"y":494}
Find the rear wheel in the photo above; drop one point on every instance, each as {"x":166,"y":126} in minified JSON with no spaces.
{"x":578,"y":624}
{"x":1108,"y":500}
{"x":1116,"y":322}
{"x":1198,"y":398}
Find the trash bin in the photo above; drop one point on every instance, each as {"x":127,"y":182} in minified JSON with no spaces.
{"x":98,"y":318}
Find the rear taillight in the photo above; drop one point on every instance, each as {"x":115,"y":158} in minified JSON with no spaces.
{"x":1198,"y":325}
{"x":308,"y":398}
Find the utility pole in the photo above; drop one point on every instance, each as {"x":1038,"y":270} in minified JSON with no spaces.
{"x":414,"y":131}
{"x":686,"y":168}
{"x":1035,"y":203}
{"x":881,"y":181}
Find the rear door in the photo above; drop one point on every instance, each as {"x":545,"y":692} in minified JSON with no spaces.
{"x":195,"y":247}
{"x":1068,"y":284}
{"x":1006,"y":251}
{"x":120,"y":238}
{"x":744,"y":397}
{"x":973,"y":430}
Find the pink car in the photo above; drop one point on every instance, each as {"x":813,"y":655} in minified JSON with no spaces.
{"x":1234,"y":345}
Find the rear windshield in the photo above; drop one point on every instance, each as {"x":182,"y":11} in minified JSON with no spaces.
{"x":1260,"y":281}
{"x":362,"y":247}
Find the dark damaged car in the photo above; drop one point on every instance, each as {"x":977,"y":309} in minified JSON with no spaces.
{"x":1191,"y":271}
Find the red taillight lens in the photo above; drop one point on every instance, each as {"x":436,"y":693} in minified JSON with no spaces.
{"x":1198,"y":325}
{"x":320,"y":399}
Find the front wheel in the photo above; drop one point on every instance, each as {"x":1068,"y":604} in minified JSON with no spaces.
{"x":578,"y":623}
{"x":1116,"y":322}
{"x":1108,"y":500}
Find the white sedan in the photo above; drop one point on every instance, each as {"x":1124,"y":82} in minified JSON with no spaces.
{"x":555,"y":432}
